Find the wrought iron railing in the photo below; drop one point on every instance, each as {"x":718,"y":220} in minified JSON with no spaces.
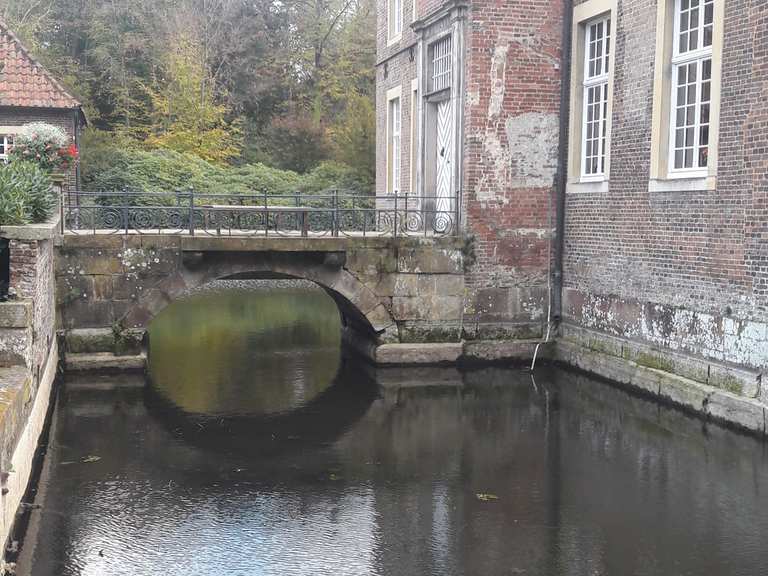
{"x":332,"y":213}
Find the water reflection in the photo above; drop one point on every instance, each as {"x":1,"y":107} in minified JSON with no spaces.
{"x":243,"y":353}
{"x":437,"y":472}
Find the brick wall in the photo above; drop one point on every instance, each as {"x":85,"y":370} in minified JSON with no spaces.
{"x":685,"y":271}
{"x":510,"y":162}
{"x":512,"y":93}
{"x":32,"y":280}
{"x":63,"y":119}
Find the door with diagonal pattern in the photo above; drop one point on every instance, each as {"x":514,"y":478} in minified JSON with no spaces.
{"x":444,"y":158}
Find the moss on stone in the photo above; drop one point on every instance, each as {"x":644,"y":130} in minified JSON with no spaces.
{"x":655,"y":361}
{"x":732,"y":384}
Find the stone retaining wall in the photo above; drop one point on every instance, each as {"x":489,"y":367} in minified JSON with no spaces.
{"x":28,"y":359}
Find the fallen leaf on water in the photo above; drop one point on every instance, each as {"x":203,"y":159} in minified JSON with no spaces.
{"x":486,"y":497}
{"x":90,"y":459}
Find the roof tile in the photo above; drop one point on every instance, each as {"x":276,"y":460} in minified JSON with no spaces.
{"x":23,"y":80}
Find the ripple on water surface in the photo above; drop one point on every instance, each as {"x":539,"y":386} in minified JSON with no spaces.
{"x":258,"y":450}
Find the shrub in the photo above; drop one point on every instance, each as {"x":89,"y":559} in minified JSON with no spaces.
{"x":26,"y":196}
{"x":112,"y":165}
{"x":45,"y":145}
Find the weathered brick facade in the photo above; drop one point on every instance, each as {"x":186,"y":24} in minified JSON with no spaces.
{"x":680,"y":272}
{"x":683,"y":271}
{"x":510,"y":94}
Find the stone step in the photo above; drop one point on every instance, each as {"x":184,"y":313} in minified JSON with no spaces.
{"x":104,"y":361}
{"x":99,"y":340}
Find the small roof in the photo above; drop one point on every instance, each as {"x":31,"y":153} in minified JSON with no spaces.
{"x":24,"y":83}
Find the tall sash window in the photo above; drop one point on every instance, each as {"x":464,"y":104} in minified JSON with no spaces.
{"x":595,"y":115}
{"x":691,"y":86}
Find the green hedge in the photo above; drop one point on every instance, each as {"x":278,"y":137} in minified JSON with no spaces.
{"x":109,"y":168}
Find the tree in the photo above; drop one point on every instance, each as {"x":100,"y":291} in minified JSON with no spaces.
{"x":186,"y":116}
{"x":355,"y":138}
{"x":289,"y":71}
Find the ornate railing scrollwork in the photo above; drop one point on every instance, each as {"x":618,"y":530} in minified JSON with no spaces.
{"x":331,"y":213}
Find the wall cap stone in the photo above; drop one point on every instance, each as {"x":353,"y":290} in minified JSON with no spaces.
{"x":46,"y":231}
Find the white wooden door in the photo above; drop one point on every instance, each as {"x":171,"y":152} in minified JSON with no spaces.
{"x":444,"y":200}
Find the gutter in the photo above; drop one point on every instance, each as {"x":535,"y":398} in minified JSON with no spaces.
{"x":562,"y":162}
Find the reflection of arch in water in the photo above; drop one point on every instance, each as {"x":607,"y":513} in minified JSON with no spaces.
{"x":322,"y":420}
{"x":361,"y":309}
{"x":231,"y":352}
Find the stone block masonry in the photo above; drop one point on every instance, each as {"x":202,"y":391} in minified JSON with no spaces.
{"x":389,"y":290}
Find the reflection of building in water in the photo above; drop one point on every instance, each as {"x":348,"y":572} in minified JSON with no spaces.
{"x":587,"y":478}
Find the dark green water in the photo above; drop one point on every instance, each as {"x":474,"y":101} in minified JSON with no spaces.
{"x":258,"y":450}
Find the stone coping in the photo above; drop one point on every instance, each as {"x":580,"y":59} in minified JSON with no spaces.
{"x":46,"y":231}
{"x":212,"y":243}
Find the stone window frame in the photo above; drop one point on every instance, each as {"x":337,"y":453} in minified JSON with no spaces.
{"x":395,"y":14}
{"x":663,"y":178}
{"x":585,"y":14}
{"x":451,"y":18}
{"x":394,"y":147}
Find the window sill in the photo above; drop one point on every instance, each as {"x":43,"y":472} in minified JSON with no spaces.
{"x":587,"y":187}
{"x":394,"y":40}
{"x":678,"y":184}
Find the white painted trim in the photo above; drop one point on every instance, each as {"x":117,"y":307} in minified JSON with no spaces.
{"x":595,"y":82}
{"x":394,"y":38}
{"x":663,"y":85}
{"x":414,"y":146}
{"x":583,"y":14}
{"x":395,"y":93}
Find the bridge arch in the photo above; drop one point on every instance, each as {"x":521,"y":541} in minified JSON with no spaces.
{"x":361,"y":310}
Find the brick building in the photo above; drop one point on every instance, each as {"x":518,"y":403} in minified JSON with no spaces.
{"x":628,"y":139}
{"x":28,"y":93}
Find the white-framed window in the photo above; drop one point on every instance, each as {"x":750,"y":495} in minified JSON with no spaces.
{"x":394,"y":142}
{"x":394,"y":19}
{"x":691,"y":98}
{"x":597,"y":57}
{"x":441,"y":64}
{"x":6,"y":143}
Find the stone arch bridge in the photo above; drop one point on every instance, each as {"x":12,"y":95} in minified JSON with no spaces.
{"x":388,"y":290}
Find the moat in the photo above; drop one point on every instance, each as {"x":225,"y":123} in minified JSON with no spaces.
{"x":256,"y":446}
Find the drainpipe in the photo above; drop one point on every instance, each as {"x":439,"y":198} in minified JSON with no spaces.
{"x":562,"y":163}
